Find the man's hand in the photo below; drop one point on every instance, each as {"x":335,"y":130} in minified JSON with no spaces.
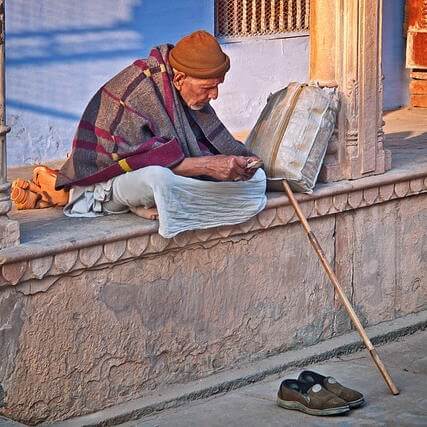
{"x":227,"y":168}
{"x":253,"y":164}
{"x":220,"y":167}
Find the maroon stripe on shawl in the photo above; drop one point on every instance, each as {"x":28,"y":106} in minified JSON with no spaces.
{"x":127,"y":107}
{"x":144,"y":66}
{"x":167,"y":155}
{"x":102,"y":133}
{"x":167,"y":85}
{"x":90,"y":146}
{"x":141,"y":64}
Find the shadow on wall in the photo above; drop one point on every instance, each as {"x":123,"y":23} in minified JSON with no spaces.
{"x":58,"y":53}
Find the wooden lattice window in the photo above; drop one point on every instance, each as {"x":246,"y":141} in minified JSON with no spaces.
{"x":243,"y":18}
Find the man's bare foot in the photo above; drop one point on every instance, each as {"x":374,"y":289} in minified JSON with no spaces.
{"x":150,"y":213}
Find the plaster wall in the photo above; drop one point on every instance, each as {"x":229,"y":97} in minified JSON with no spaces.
{"x":259,"y":67}
{"x":106,"y":335}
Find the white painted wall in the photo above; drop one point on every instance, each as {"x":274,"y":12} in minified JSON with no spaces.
{"x":258,"y":68}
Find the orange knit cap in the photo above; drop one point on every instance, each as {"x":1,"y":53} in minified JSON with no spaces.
{"x":199,"y":55}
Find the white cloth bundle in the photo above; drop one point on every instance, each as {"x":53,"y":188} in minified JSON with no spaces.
{"x":189,"y":204}
{"x":183,"y":203}
{"x":292,"y":134}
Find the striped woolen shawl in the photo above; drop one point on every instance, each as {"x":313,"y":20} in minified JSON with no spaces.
{"x":137,"y":119}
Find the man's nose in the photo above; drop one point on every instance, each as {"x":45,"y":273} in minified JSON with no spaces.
{"x":213,"y":94}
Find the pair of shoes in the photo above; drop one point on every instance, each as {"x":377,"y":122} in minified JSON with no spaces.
{"x":315,"y":394}
{"x":39,"y":192}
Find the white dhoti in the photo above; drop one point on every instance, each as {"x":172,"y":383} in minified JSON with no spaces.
{"x":182,"y":203}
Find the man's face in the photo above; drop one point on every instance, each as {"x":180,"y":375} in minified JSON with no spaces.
{"x":196,"y":93}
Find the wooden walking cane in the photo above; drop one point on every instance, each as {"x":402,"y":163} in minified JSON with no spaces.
{"x":330,"y":272}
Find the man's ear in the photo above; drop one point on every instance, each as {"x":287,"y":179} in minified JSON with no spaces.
{"x":178,"y":79}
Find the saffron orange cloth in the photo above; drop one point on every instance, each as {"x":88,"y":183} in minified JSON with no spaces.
{"x":39,"y":192}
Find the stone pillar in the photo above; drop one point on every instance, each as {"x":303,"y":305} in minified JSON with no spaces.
{"x":345,"y":52}
{"x":9,"y":229}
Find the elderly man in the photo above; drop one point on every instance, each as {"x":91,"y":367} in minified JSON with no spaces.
{"x":150,"y":138}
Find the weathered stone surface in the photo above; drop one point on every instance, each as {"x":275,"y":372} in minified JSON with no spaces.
{"x":13,"y":272}
{"x":374,"y":270}
{"x":323,"y":205}
{"x":158,"y":243}
{"x":89,"y":256}
{"x":9,"y":229}
{"x":355,"y":199}
{"x":340,"y":201}
{"x":112,"y":332}
{"x":63,"y":262}
{"x":344,"y":264}
{"x":411,"y":259}
{"x":41,"y":266}
{"x":382,"y":258}
{"x":11,"y":321}
{"x":370,"y":195}
{"x":114,"y":250}
{"x":386,"y":192}
{"x":106,"y":336}
{"x":401,"y":188}
{"x":267,"y":217}
{"x":286,"y":213}
{"x":416,"y":185}
{"x":137,"y":245}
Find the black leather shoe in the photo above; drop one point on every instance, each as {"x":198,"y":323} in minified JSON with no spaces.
{"x":353,"y":398}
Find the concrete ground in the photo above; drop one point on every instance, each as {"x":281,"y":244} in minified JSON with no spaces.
{"x":254,"y":406}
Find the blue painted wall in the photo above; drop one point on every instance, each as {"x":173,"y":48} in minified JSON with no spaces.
{"x":395,"y":74}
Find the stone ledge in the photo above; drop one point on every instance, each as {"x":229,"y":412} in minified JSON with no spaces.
{"x":233,"y":379}
{"x":78,"y":244}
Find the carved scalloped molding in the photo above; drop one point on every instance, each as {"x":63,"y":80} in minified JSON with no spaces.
{"x":50,"y":268}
